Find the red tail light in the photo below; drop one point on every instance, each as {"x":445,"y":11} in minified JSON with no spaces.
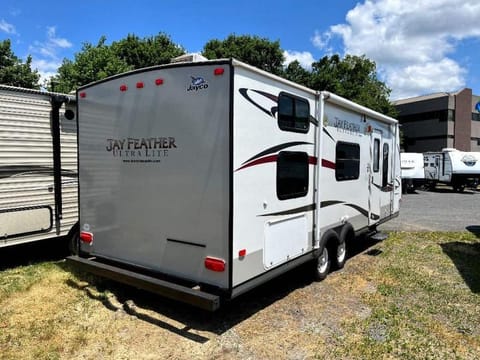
{"x":158,"y":82}
{"x":218,"y":71}
{"x":86,"y":237}
{"x":139,"y":85}
{"x":83,"y":95}
{"x":123,"y":88}
{"x":215,"y":264}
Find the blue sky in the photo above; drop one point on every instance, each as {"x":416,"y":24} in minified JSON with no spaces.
{"x":420,"y":47}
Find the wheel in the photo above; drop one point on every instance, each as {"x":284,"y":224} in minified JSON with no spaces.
{"x":74,"y":244}
{"x":328,"y":246}
{"x":322,"y":265}
{"x":346,"y":234}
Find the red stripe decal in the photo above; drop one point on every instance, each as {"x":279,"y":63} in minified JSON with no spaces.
{"x":328,"y":164}
{"x":263,"y":160}
{"x":312,"y":160}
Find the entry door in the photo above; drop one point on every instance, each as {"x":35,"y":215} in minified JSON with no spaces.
{"x":381,"y":186}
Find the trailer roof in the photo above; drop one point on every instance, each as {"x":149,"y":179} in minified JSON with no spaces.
{"x":49,"y":94}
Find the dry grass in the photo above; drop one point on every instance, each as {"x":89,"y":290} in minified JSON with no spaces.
{"x":414,"y":296}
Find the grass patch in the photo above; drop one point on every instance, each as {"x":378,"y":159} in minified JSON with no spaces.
{"x":427,"y":303}
{"x":417,"y":298}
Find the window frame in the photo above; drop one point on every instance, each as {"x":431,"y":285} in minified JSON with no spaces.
{"x":346,"y":161}
{"x":295,"y":101}
{"x":284,"y":155}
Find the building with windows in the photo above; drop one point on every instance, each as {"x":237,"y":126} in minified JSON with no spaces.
{"x":441,"y":120}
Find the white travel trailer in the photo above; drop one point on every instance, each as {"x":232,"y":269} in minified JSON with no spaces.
{"x":38,"y":165}
{"x":199,"y":181}
{"x":458,"y":169}
{"x":412,"y":171}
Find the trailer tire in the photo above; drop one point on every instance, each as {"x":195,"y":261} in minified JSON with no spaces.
{"x":74,"y":240}
{"x":346,"y":235}
{"x":324,"y":260}
{"x":459,"y":188}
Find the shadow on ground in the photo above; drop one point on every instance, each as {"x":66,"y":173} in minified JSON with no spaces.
{"x":32,"y":253}
{"x":466,"y":257}
{"x":154,"y":309}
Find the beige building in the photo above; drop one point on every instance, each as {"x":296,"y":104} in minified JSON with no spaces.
{"x":441,"y":120}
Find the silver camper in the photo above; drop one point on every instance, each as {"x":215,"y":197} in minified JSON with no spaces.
{"x":200,"y":181}
{"x":38,"y":165}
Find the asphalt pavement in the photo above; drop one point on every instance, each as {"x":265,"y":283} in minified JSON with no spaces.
{"x":438,"y":210}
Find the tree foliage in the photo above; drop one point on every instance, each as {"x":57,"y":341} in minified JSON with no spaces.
{"x":13,"y":71}
{"x":96,"y":62}
{"x":354,"y":78}
{"x":149,"y":51}
{"x":253,"y":50}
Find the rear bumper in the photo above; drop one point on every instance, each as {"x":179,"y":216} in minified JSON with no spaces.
{"x":164,"y":288}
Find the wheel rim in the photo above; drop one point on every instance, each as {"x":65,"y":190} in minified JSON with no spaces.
{"x":341,"y":252}
{"x":323,"y":261}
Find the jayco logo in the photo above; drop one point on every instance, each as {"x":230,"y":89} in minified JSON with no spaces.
{"x":198,"y":83}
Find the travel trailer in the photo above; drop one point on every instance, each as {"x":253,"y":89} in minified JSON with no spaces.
{"x":200,"y":181}
{"x":412,"y":171}
{"x":38,"y":165}
{"x":458,"y":169}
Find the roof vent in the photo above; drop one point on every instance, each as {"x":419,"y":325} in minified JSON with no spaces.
{"x":193,"y":57}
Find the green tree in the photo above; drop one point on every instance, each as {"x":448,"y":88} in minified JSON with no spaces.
{"x":92,"y":63}
{"x":13,"y":71}
{"x":149,"y":51}
{"x":96,"y":62}
{"x":355,"y":78}
{"x":296,"y":73}
{"x":253,"y":50}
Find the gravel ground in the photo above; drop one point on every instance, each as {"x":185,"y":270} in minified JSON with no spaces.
{"x":439,"y":210}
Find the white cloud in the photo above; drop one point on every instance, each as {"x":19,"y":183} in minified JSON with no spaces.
{"x":47,"y":54}
{"x":56,"y":41}
{"x":304,"y":58}
{"x":7,"y":28}
{"x":411,"y":42}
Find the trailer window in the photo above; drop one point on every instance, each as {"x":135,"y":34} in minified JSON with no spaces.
{"x":347,"y":161}
{"x":293,"y":113}
{"x":385,"y":165}
{"x":376,"y":155}
{"x":292,"y":174}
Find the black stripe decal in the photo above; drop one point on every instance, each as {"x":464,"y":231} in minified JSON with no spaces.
{"x":273,"y":111}
{"x":359,"y":209}
{"x":387,"y":188}
{"x":330,"y":203}
{"x":310,"y":207}
{"x":186,"y":243}
{"x":328,"y":134}
{"x":243,"y":91}
{"x":277,"y":148}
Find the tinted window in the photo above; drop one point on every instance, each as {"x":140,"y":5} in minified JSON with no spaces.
{"x":293,"y":113}
{"x":385,"y":166}
{"x":347,"y":161}
{"x":376,"y":155}
{"x":292,"y":175}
